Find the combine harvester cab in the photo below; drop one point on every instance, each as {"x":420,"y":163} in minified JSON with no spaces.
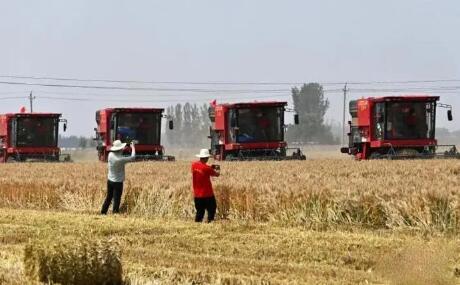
{"x":396,"y":127}
{"x":31,"y":137}
{"x":250,"y":131}
{"x":142,"y":125}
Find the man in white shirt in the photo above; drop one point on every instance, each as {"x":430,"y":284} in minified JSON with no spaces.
{"x":116,"y":175}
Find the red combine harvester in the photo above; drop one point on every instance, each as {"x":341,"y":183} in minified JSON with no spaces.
{"x":30,"y":136}
{"x":250,"y":131}
{"x":396,"y":127}
{"x":142,"y":125}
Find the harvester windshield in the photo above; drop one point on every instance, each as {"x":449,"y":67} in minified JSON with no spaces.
{"x":143,"y":127}
{"x":36,"y":131}
{"x":404,"y":120}
{"x":257,"y":124}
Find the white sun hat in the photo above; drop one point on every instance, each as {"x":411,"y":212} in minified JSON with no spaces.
{"x":204,"y":152}
{"x":117,"y":145}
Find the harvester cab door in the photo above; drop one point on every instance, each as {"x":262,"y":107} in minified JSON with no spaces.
{"x":214,"y":136}
{"x":113,"y":127}
{"x":14,"y":132}
{"x":232,"y":125}
{"x":379,"y":121}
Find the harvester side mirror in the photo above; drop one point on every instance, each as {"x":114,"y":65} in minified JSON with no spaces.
{"x":449,"y":115}
{"x":64,"y":127}
{"x":296,"y":119}
{"x":171,"y":124}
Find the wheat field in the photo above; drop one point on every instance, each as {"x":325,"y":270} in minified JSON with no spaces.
{"x":324,"y":221}
{"x":313,"y":194}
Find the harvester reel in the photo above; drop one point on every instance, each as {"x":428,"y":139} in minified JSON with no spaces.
{"x":417,"y":152}
{"x":375,"y":155}
{"x":269,"y":154}
{"x":408,"y":152}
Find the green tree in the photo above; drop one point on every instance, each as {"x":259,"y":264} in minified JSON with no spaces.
{"x":205,"y":123}
{"x":191,"y":125}
{"x":311,"y":105}
{"x":187,"y":132}
{"x":195,"y":125}
{"x":82,"y":142}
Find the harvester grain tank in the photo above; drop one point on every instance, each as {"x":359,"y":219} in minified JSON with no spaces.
{"x":142,"y":125}
{"x":250,"y":131}
{"x":31,"y":136}
{"x":396,"y":127}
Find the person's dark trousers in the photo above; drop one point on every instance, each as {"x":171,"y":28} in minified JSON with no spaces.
{"x":114,"y":191}
{"x":205,"y":204}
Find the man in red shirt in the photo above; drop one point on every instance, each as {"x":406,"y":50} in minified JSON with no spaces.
{"x":202,"y":187}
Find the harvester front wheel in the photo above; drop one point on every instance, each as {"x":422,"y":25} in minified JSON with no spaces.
{"x":10,"y":159}
{"x":230,"y":156}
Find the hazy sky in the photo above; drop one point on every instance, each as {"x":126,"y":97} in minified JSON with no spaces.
{"x":238,"y":40}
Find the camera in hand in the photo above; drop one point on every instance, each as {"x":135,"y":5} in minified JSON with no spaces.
{"x":215,"y":167}
{"x":129,"y":140}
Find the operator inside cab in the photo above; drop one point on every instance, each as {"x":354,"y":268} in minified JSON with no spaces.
{"x":407,"y":121}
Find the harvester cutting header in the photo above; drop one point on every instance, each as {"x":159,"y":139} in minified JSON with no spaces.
{"x":31,"y":136}
{"x":142,"y":125}
{"x":396,"y":127}
{"x":250,"y":131}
